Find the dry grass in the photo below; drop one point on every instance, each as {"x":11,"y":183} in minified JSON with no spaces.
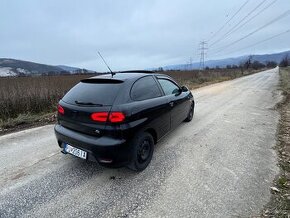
{"x":32,"y":95}
{"x":194,"y":79}
{"x":23,"y":97}
{"x":279,"y":206}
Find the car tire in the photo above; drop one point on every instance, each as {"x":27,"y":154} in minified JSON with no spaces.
{"x":142,"y":147}
{"x":190,"y":113}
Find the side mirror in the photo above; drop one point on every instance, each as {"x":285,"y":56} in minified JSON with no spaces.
{"x":184,"y":89}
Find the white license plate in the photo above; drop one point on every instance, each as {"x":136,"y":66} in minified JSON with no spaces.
{"x":75,"y":151}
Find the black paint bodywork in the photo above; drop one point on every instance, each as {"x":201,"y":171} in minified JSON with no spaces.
{"x":110,"y":141}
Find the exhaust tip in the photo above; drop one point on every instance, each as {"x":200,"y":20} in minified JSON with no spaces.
{"x":107,"y":161}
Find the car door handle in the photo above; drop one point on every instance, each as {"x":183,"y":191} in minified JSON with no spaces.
{"x":171,"y":104}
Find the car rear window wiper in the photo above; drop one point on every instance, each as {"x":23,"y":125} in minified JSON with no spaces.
{"x":88,"y":103}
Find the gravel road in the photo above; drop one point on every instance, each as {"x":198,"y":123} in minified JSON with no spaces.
{"x":219,"y":165}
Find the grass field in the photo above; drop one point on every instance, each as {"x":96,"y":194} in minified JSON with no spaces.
{"x":28,"y":99}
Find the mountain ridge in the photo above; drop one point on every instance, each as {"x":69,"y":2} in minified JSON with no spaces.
{"x":264,"y":58}
{"x":14,"y":67}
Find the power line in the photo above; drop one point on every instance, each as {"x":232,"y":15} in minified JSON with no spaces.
{"x":251,"y":18}
{"x":259,"y":42}
{"x":286,"y":13}
{"x":230,"y":31}
{"x":227,"y":22}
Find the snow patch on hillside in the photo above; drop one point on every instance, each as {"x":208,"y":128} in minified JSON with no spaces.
{"x":7,"y":71}
{"x":20,"y":70}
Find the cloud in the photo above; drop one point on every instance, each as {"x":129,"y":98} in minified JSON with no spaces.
{"x":130,"y":34}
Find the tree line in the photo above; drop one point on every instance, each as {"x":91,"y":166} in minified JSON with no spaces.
{"x":256,"y":65}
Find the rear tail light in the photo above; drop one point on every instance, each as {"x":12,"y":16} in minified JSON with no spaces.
{"x":60,"y":109}
{"x":113,"y":117}
{"x":99,"y":116}
{"x":116,"y":117}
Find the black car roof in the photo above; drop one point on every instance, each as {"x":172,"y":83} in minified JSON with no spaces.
{"x":124,"y":75}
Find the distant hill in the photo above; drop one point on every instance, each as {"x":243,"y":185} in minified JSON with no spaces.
{"x":277,"y":57}
{"x":68,"y":68}
{"x":12,"y":67}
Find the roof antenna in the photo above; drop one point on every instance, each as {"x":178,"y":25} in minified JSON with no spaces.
{"x":106,"y":64}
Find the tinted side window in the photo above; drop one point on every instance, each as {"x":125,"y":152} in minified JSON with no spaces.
{"x":145,"y":88}
{"x":168,"y":86}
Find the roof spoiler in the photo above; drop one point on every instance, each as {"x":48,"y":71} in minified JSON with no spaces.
{"x":137,"y":71}
{"x":102,"y":81}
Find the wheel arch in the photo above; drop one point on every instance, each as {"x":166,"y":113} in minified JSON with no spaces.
{"x":152,"y":132}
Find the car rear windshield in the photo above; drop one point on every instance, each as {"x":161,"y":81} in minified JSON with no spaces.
{"x":93,"y":93}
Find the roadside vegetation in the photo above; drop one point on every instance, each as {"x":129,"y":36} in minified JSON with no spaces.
{"x":279,"y":206}
{"x":195,"y":78}
{"x":30,"y":101}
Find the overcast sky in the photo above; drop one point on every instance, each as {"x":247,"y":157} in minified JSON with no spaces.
{"x":134,"y":34}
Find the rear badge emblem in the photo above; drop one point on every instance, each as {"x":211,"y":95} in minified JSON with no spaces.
{"x":97,"y":131}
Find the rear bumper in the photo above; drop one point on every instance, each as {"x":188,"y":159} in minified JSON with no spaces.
{"x":104,"y":150}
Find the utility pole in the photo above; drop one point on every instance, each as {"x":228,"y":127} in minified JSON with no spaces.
{"x":189,"y":64}
{"x":202,"y":48}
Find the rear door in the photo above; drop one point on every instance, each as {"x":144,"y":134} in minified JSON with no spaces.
{"x":87,"y":97}
{"x":176,"y":99}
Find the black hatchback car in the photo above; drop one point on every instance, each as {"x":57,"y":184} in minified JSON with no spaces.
{"x":115,"y":120}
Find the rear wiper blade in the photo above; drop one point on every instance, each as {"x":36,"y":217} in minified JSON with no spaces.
{"x":88,"y":103}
